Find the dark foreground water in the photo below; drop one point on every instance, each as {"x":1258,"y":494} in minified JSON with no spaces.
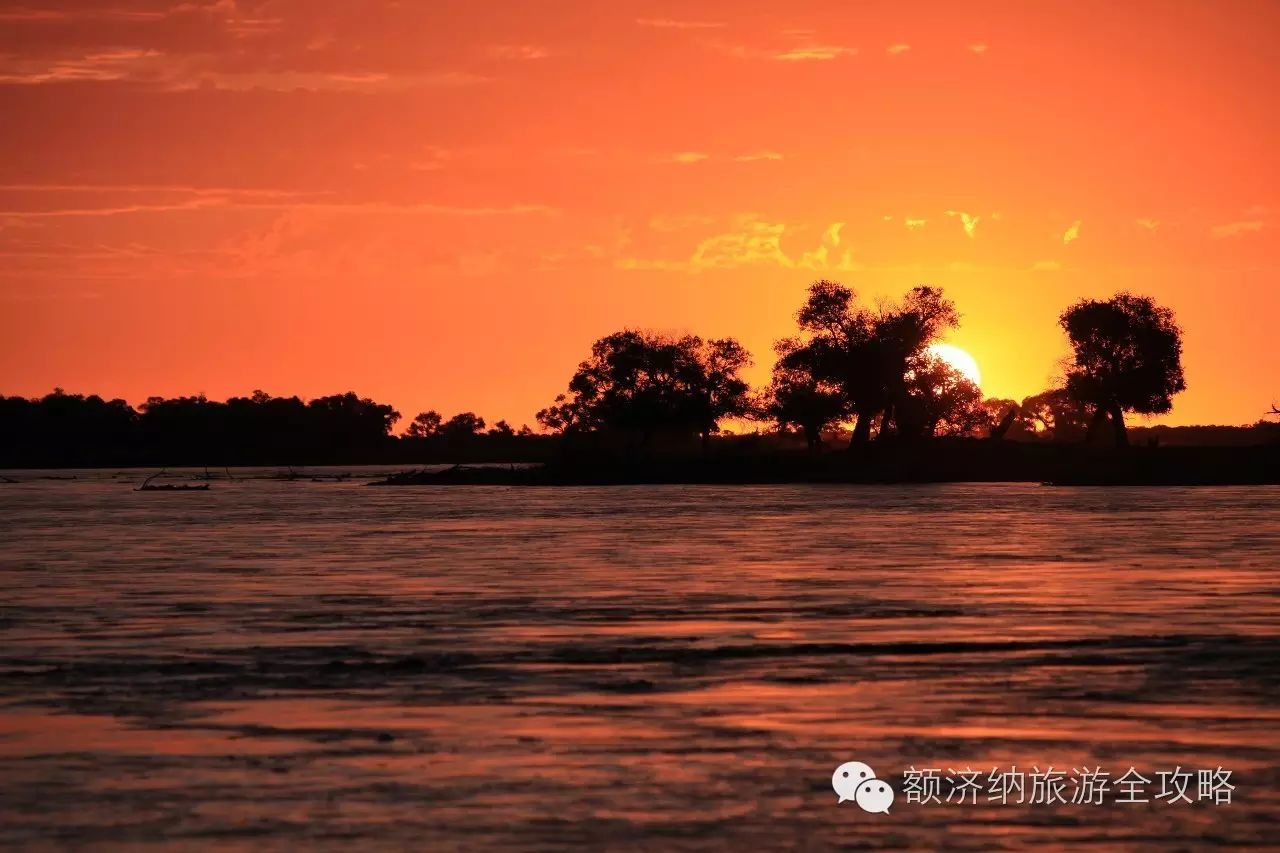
{"x":309,"y":664}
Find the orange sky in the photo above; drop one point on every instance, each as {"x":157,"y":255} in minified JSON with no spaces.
{"x":441,"y":204}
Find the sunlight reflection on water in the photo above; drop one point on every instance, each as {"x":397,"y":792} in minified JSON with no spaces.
{"x":480,"y":667}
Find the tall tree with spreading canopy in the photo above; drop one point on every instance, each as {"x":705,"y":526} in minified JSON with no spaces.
{"x":839,"y":339}
{"x":645,"y":383}
{"x":905,"y":332}
{"x":1127,"y":354}
{"x":868,"y":353}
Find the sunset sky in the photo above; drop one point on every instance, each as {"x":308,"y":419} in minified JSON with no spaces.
{"x":441,"y":204}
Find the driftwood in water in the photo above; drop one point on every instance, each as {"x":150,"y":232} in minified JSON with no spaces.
{"x":168,"y":487}
{"x":171,"y":487}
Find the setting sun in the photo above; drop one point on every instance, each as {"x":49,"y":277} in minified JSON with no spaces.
{"x":960,"y":360}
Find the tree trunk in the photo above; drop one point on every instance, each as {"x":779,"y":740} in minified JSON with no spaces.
{"x":862,"y":429}
{"x":813,"y":438}
{"x":884,"y":423}
{"x":706,"y":442}
{"x":1117,"y":423}
{"x":999,"y":430}
{"x":1096,"y":424}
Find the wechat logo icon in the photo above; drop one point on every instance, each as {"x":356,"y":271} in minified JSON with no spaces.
{"x":856,"y":781}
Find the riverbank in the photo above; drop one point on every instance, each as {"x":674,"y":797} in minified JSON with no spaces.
{"x":942,"y":461}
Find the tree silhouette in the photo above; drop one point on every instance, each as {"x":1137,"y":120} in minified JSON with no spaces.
{"x":868,"y":353}
{"x":795,"y":397}
{"x":258,"y":429}
{"x":841,"y":350}
{"x":715,"y":386}
{"x":349,"y":421}
{"x":904,"y":334}
{"x":1127,"y":358}
{"x":424,"y":424}
{"x":501,"y":428}
{"x":646,"y":383}
{"x":1055,"y":415}
{"x":1004,"y":418}
{"x":77,"y":426}
{"x":938,"y":400}
{"x":462,"y":425}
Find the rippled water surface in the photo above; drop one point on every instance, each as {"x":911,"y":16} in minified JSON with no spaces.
{"x":279,"y":664}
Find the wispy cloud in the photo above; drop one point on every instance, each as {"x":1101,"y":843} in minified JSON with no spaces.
{"x":168,"y":73}
{"x":759,"y":155}
{"x":1235,"y":229}
{"x":1072,"y":232}
{"x":896,"y":49}
{"x":179,"y":67}
{"x":915,"y":224}
{"x":518,"y":52}
{"x":676,"y":24}
{"x":977,"y":48}
{"x":967,"y":220}
{"x":157,"y":188}
{"x":1148,"y":224}
{"x":814,"y":53}
{"x":224,"y":11}
{"x":101,"y":66}
{"x":753,"y":242}
{"x":229,"y":201}
{"x":119,"y":210}
{"x":685,"y":158}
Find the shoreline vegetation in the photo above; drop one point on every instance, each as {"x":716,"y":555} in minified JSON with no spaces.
{"x":858,"y":394}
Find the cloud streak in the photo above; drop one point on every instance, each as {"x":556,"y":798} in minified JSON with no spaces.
{"x":685,"y":158}
{"x":675,"y":24}
{"x":211,"y":202}
{"x":813,"y":53}
{"x":1235,"y":229}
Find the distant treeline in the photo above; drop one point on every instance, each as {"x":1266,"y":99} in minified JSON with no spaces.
{"x":68,"y":430}
{"x":853,"y":374}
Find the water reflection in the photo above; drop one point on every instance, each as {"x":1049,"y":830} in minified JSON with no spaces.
{"x":284,"y":661}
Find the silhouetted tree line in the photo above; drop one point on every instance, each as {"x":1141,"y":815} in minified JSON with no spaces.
{"x":856,"y":369}
{"x":72,"y":429}
{"x":872,"y":367}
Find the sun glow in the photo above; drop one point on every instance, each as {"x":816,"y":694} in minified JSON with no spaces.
{"x":960,"y":360}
